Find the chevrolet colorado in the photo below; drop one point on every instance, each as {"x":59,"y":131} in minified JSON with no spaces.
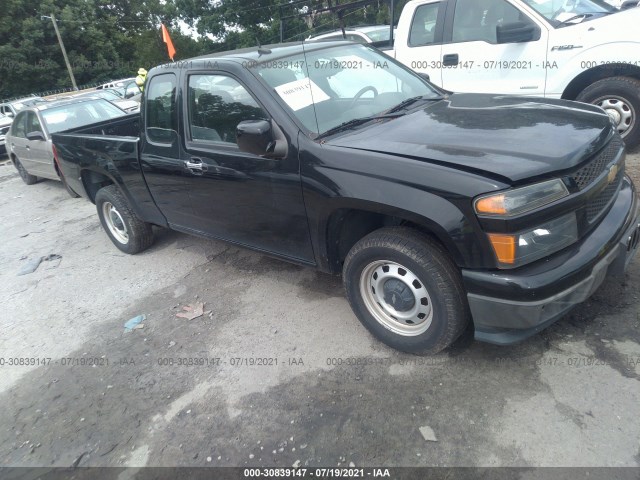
{"x":437,"y":208}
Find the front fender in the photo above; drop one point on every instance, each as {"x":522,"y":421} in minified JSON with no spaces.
{"x":615,"y":56}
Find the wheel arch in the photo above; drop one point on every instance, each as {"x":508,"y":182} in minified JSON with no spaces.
{"x":600,"y":72}
{"x":345,"y":226}
{"x":93,"y":181}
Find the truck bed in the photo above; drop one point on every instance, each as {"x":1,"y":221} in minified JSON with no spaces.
{"x":103,"y":153}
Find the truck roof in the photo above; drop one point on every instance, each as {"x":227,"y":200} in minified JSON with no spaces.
{"x":276,"y":51}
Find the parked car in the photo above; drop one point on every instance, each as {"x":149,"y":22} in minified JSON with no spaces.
{"x":29,"y":138}
{"x":437,"y":208}
{"x":378,"y":35}
{"x":128,"y":105}
{"x":125,"y":88}
{"x":11,"y":109}
{"x":5,"y":124}
{"x":575,"y":50}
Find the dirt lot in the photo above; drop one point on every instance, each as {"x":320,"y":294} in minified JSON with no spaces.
{"x":326,"y":394}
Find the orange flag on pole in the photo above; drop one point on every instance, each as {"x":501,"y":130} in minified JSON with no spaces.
{"x":167,"y":39}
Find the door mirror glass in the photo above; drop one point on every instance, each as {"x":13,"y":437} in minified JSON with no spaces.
{"x":254,"y":136}
{"x":517,"y":32}
{"x":33,"y":136}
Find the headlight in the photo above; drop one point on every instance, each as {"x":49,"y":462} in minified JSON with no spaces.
{"x":520,"y":200}
{"x":525,"y":247}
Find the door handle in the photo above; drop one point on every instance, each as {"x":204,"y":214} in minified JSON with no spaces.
{"x":28,"y":147}
{"x":195,"y":165}
{"x":450,"y":60}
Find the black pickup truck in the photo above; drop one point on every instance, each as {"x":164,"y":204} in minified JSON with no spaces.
{"x":437,"y":208}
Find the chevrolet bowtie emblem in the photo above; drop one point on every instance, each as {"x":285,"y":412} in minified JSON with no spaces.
{"x":613,"y":173}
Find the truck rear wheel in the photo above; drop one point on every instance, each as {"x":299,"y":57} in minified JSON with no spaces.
{"x":620,"y":98}
{"x":126,"y":231}
{"x":406,"y":290}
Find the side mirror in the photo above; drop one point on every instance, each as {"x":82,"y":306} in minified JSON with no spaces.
{"x":33,"y":136}
{"x":424,"y":76}
{"x":10,"y":114}
{"x":254,"y":136}
{"x":517,"y":32}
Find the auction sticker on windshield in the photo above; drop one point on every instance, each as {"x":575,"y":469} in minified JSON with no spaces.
{"x":301,"y":93}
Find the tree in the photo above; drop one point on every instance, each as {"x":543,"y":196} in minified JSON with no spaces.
{"x":104,"y":39}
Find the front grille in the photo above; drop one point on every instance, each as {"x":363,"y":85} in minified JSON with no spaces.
{"x":601,"y":201}
{"x":597,"y":165}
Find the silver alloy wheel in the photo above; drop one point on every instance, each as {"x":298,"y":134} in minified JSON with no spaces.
{"x":115,"y":223}
{"x":396,"y":298}
{"x":620,"y":110}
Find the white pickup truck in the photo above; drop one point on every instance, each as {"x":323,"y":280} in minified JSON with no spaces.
{"x":583,"y":50}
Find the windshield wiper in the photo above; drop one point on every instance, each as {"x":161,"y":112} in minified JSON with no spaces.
{"x":582,"y":15}
{"x":409,"y":101}
{"x":354,"y":123}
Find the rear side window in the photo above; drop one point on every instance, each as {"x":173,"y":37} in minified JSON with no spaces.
{"x":423,"y":26}
{"x":161,"y":116}
{"x":18,"y":127}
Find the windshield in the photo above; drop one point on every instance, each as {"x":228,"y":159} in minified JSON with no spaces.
{"x":76,"y":115}
{"x":108,"y":95}
{"x":570,"y":11}
{"x":378,"y":35}
{"x":333,"y":85}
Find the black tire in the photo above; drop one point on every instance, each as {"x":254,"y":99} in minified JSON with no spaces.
{"x":423,"y":259}
{"x":139,"y":234}
{"x":24,"y":175}
{"x":618,"y":93}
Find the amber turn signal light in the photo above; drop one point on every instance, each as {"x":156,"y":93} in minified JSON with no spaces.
{"x":491,"y":205}
{"x":504,"y":246}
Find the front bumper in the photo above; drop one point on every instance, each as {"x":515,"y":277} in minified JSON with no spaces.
{"x":509,"y":306}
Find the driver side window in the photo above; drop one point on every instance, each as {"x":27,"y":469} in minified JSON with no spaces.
{"x":32,"y":123}
{"x":477,"y":20}
{"x":217,"y":104}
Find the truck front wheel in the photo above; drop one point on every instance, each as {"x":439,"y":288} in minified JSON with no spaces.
{"x":126,"y":231}
{"x":620,"y":98}
{"x":406,"y":290}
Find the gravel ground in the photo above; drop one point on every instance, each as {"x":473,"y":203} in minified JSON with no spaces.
{"x":566,"y":397}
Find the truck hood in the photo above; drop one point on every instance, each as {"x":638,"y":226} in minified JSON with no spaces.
{"x":509,"y":137}
{"x":619,"y":27}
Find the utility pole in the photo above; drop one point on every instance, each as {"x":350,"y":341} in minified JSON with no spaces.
{"x":64,"y":52}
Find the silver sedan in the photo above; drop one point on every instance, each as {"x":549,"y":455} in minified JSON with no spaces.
{"x":29,"y":138}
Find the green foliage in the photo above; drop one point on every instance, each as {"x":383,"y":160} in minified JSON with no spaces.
{"x":111,"y":39}
{"x":104,"y":39}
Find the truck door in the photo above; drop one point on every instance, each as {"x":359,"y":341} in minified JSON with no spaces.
{"x":490,"y":46}
{"x":420,"y":49}
{"x":238,"y":196}
{"x":160,"y":161}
